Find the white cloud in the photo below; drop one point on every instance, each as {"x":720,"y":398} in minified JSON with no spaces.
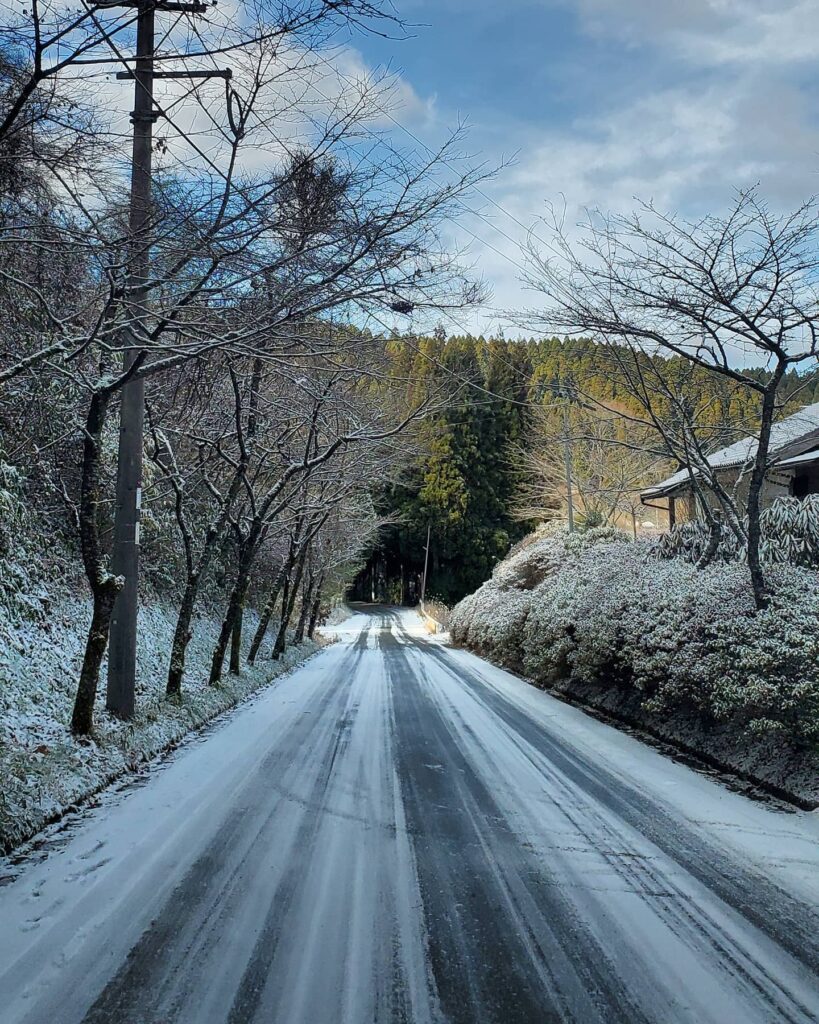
{"x":722,"y":107}
{"x":685,"y":149}
{"x":682,"y":148}
{"x":396,"y":97}
{"x":305,"y":94}
{"x":726,"y":109}
{"x":711,"y":32}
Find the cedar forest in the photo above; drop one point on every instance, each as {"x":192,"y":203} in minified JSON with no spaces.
{"x":463,"y":480}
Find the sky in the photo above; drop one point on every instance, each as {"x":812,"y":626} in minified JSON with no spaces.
{"x":598,"y":103}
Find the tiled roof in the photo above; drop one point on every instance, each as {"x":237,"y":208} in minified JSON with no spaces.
{"x":793,"y":429}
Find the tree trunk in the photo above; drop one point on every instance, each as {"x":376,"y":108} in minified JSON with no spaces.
{"x":289,"y":605}
{"x":267,"y":611}
{"x":183,"y":632}
{"x":755,"y":491}
{"x":104,"y":586}
{"x":237,"y":596}
{"x":714,"y":538}
{"x":182,"y":636}
{"x":314,"y":611}
{"x":82,"y":718}
{"x":236,"y":641}
{"x":278,"y":643}
{"x":306,"y":604}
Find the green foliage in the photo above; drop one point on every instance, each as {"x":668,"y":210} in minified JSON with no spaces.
{"x":463,"y":482}
{"x":790,"y":533}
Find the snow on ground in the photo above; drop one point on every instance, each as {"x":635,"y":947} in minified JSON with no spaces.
{"x":398,"y":831}
{"x":777,"y":838}
{"x":678,"y":650}
{"x":44,"y":769}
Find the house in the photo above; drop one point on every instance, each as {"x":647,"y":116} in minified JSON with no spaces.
{"x":793,"y":468}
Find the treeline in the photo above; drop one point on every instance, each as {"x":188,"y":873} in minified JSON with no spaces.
{"x":466,"y":479}
{"x":590,"y":367}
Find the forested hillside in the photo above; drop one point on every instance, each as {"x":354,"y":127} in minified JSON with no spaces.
{"x":467,"y":471}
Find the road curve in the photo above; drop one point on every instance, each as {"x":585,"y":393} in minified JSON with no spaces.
{"x":399,"y":832}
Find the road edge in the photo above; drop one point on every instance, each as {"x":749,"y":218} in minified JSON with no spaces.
{"x":41,"y":829}
{"x":733,"y":776}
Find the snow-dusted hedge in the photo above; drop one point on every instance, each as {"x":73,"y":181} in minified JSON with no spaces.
{"x":596,"y":609}
{"x":492,"y":619}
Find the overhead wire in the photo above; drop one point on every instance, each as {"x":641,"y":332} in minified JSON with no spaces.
{"x":432,"y":152}
{"x":163,"y":112}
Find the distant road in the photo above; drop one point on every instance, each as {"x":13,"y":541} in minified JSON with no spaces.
{"x":399,"y":832}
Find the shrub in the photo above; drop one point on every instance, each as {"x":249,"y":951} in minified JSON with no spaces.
{"x":601,"y":611}
{"x":790,"y":533}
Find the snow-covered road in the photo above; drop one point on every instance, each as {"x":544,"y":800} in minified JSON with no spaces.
{"x":399,"y":832}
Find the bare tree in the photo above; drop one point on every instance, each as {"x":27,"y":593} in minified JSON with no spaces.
{"x":53,"y":41}
{"x":338,"y":417}
{"x":250,"y":259}
{"x":683,"y":422}
{"x":714,"y":292}
{"x":611,"y":458}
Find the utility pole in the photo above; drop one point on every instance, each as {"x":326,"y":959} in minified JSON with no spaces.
{"x":567,"y":459}
{"x":125,"y":555}
{"x":125,"y":560}
{"x":426,"y":563}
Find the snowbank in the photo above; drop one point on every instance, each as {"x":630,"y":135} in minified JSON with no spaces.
{"x":44,"y":770}
{"x":680,"y":651}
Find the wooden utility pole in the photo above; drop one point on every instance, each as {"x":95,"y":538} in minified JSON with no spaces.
{"x":426,"y":564}
{"x":125,"y":555}
{"x":567,"y":459}
{"x":125,"y":560}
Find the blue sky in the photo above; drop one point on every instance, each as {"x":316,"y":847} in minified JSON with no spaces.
{"x":602,"y":101}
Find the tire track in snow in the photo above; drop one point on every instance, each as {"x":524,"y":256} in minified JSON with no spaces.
{"x":163,"y":972}
{"x":747,"y":894}
{"x":505,"y":945}
{"x":412,"y":845}
{"x":304,"y":907}
{"x":353,"y":948}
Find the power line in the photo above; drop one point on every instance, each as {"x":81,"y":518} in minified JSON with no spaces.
{"x":164,"y":113}
{"x":432,"y":152}
{"x":447,"y":163}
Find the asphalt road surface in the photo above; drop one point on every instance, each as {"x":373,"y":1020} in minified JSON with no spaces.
{"x":399,"y":832}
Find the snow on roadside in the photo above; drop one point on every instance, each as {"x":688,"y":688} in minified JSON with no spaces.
{"x":680,"y":652}
{"x":44,"y":769}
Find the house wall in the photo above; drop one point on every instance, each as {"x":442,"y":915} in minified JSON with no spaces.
{"x":776,"y":485}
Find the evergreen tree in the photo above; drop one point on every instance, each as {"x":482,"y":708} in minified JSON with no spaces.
{"x":462,"y":483}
